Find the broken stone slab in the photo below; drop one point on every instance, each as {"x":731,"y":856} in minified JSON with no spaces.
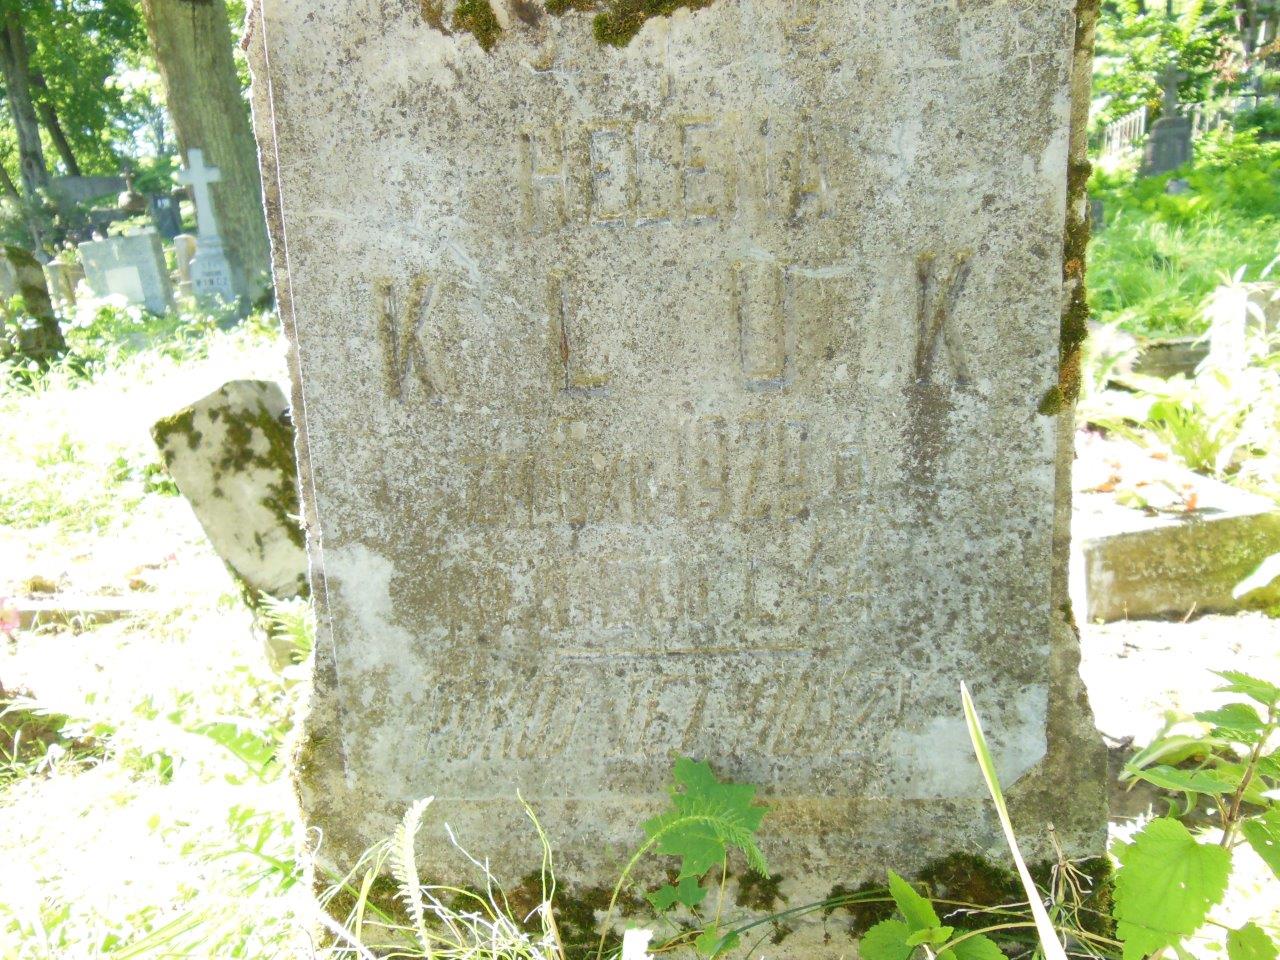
{"x":1170,"y":357}
{"x":74,"y":610}
{"x":231,"y":455}
{"x":1186,"y":552}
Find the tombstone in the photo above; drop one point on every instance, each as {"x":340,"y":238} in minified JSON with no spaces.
{"x":1169,"y":143}
{"x":165,"y":215}
{"x":184,"y":249}
{"x":28,"y":328}
{"x":1164,"y":558}
{"x":211,"y":278}
{"x":130,"y":202}
{"x":85,"y":190}
{"x":231,"y":455}
{"x":132,"y":266}
{"x":680,"y":398}
{"x":63,"y":274}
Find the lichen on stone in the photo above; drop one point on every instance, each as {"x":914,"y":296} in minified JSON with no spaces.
{"x":477,"y":18}
{"x":622,"y":20}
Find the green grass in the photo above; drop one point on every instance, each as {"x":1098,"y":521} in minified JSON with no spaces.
{"x":144,"y":808}
{"x":1161,"y":254}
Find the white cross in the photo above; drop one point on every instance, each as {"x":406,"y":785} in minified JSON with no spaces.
{"x":198,"y":177}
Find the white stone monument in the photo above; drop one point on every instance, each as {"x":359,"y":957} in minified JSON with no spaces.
{"x":184,"y":250}
{"x":210,"y":270}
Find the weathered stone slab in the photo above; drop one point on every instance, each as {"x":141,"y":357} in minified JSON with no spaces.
{"x":1196,"y":539}
{"x":231,"y":455}
{"x":682,"y":398}
{"x":1171,"y":357}
{"x":131,"y":266}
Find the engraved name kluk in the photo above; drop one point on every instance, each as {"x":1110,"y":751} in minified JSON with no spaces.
{"x":758,"y":297}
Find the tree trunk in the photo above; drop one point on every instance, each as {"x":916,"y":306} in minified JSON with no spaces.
{"x":49,"y":117}
{"x":17,"y":82}
{"x":193,"y":48}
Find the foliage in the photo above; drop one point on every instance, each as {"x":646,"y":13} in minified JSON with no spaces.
{"x":1161,"y":254}
{"x":921,"y":928}
{"x":1136,"y":41}
{"x":1223,"y":421}
{"x":1264,"y":120}
{"x":78,"y":47}
{"x":1170,"y":879}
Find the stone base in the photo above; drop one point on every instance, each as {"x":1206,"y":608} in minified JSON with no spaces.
{"x":1168,"y":561}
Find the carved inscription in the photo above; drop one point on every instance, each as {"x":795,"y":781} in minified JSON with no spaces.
{"x":572,"y":369}
{"x":685,"y":169}
{"x":766,"y":334}
{"x":713,"y":470}
{"x":659,"y":715}
{"x":410,"y":346}
{"x":935,"y":306}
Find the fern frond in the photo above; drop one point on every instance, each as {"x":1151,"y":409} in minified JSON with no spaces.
{"x":404,"y":866}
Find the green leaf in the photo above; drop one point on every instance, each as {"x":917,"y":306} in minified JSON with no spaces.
{"x":934,"y":936}
{"x":711,"y":942}
{"x":1050,"y":945}
{"x":972,"y":948}
{"x":918,"y":911}
{"x":257,"y":753}
{"x":1171,"y":750}
{"x":1165,"y":886}
{"x":664,"y":898}
{"x":1191,"y":781}
{"x":1234,"y":716}
{"x":1263,"y":834}
{"x":707,"y":817}
{"x":1253,"y":792}
{"x":887,"y":940}
{"x":1250,"y":942}
{"x":690,"y":892}
{"x":1267,"y":694}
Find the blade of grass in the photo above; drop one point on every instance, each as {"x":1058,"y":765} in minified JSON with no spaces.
{"x":1049,"y":941}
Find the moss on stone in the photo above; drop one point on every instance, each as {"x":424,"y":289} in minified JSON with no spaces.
{"x":1075,"y":313}
{"x":183,"y":424}
{"x":240,"y":454}
{"x":622,"y":20}
{"x":477,"y":18}
{"x":433,"y":14}
{"x":965,"y":878}
{"x":758,"y":892}
{"x":862,"y":915}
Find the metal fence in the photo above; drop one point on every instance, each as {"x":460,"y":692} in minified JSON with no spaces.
{"x":1121,"y":136}
{"x":1124,"y":136}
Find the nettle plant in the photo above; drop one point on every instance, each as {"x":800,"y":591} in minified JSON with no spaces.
{"x":1226,"y":761}
{"x":1168,"y":878}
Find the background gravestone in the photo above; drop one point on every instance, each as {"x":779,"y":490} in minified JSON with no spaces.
{"x":132,"y":266}
{"x":184,"y":251}
{"x":231,"y":455}
{"x":1169,"y":143}
{"x":166,"y":215}
{"x":210,"y":270}
{"x":682,"y":398}
{"x":63,"y":273}
{"x":28,"y":327}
